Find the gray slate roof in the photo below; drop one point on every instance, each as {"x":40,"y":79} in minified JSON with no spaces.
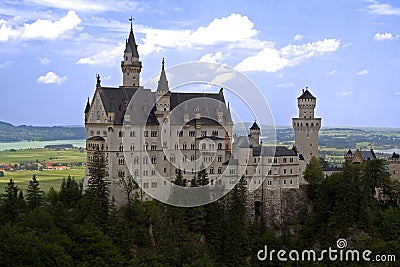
{"x":306,"y":95}
{"x":368,"y":155}
{"x":131,"y":45}
{"x":277,"y":151}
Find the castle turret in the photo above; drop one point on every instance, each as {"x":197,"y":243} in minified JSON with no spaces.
{"x":394,"y":167}
{"x":254,"y":136}
{"x":306,"y":128}
{"x":163,"y":94}
{"x":131,"y":66}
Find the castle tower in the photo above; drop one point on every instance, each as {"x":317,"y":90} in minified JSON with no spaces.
{"x":131,"y":66}
{"x":306,"y":128}
{"x":394,"y":167}
{"x":254,"y":136}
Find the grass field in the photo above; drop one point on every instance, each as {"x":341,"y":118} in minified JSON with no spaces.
{"x":46,"y":178}
{"x":42,"y":155}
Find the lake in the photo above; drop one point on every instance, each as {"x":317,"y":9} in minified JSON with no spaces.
{"x":40,"y":144}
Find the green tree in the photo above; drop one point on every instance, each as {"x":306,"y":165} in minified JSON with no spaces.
{"x":314,"y":175}
{"x":236,"y":227}
{"x":98,"y":188}
{"x":129,"y":185}
{"x":34,"y":195}
{"x":70,"y":191}
{"x":11,"y":200}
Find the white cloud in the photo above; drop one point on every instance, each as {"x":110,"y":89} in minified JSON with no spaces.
{"x":285,"y":85}
{"x":382,"y":9}
{"x":43,"y":60}
{"x":331,"y":73}
{"x":5,"y":64}
{"x":212,"y":58}
{"x":298,"y":37}
{"x":383,"y":36}
{"x":397,"y":93}
{"x":104,"y":57}
{"x":235,"y":31}
{"x":40,"y":29}
{"x":272,"y":59}
{"x":362,"y":72}
{"x":106,"y":78}
{"x":345,"y":93}
{"x":50,"y":78}
{"x":90,"y":5}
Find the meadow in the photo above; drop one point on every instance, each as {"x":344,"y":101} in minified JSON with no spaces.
{"x":47,"y":178}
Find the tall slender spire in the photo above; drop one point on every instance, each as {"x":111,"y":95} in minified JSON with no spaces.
{"x":131,"y":45}
{"x":163,"y":82}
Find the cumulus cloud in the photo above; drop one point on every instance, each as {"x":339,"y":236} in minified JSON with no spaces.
{"x":212,"y":58}
{"x":40,"y":29}
{"x":383,"y":36}
{"x":104,"y":57}
{"x":331,"y":73}
{"x":234,"y":30}
{"x":362,"y":72}
{"x":43,"y":60}
{"x":382,"y":9}
{"x":50,"y":78}
{"x":272,"y":59}
{"x":298,"y":37}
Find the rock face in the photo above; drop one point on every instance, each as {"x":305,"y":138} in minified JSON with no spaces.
{"x":277,"y":207}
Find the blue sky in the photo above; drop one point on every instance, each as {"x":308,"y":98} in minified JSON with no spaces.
{"x":346,"y":52}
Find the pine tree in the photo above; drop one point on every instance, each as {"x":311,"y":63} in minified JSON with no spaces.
{"x":236,"y":227}
{"x":70,"y":192}
{"x":34,"y":195}
{"x":98,"y":188}
{"x":129,"y":185}
{"x":11,"y":200}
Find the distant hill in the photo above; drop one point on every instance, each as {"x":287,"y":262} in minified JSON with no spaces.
{"x":11,"y":133}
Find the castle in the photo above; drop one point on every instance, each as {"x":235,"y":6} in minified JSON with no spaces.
{"x":170,"y":131}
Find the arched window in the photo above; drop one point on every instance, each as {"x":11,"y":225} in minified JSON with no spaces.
{"x":219,"y":146}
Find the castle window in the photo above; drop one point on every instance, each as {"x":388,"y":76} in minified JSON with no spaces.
{"x":136,"y":160}
{"x":310,"y":144}
{"x":219,"y":170}
{"x":153,"y":133}
{"x":275,"y":160}
{"x":104,"y":133}
{"x":291,"y":171}
{"x":179,"y":133}
{"x":136,"y":173}
{"x":153,"y":159}
{"x":153,"y":147}
{"x":203,"y":146}
{"x":184,"y":146}
{"x":153,"y":172}
{"x":164,"y":144}
{"x":203,"y":133}
{"x":284,"y":171}
{"x":192,"y":146}
{"x":121,"y":134}
{"x":219,"y":146}
{"x":212,"y":170}
{"x":284,"y":160}
{"x":172,"y":158}
{"x":146,"y":133}
{"x":145,"y":173}
{"x":132,"y":147}
{"x":132,"y":134}
{"x":176,"y":146}
{"x":145,"y":160}
{"x":269,"y":182}
{"x":220,"y":158}
{"x":192,"y":133}
{"x":165,"y":170}
{"x":291,"y":160}
{"x":215,"y":133}
{"x":153,"y":184}
{"x":145,"y":185}
{"x":192,"y":158}
{"x":284,"y":181}
{"x":291,"y":181}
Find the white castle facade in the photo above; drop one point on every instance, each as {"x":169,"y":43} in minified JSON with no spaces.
{"x":151,"y":134}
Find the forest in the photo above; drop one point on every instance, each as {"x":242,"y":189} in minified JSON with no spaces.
{"x":67,"y":228}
